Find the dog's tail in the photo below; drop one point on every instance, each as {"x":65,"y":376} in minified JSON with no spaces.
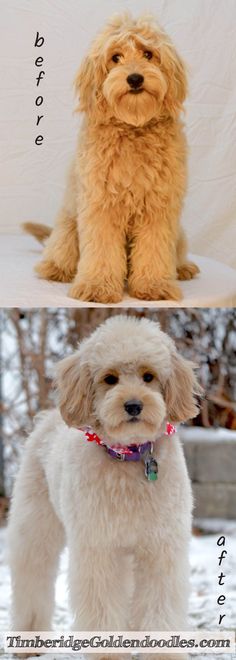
{"x":40,"y":232}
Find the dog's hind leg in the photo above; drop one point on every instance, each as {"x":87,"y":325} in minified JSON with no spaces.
{"x":61,"y":253}
{"x":35,"y":539}
{"x":186,"y":269}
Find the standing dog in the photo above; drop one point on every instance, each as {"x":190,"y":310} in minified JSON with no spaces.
{"x":121,"y":213}
{"x":126,"y":530}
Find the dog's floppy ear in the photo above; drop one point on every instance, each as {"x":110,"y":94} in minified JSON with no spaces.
{"x":74,"y":388}
{"x":175,"y":71}
{"x":84,"y":84}
{"x":181,"y":389}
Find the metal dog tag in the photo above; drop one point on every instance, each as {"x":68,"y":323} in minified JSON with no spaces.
{"x":151,"y":468}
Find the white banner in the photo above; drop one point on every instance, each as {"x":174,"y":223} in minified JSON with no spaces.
{"x":119,"y":642}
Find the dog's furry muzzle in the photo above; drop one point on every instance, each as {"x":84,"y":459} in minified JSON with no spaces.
{"x":135,"y":107}
{"x":118,"y":425}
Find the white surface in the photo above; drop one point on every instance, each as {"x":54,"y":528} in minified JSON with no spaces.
{"x":203,"y":608}
{"x":32,"y":177}
{"x":20,"y":287}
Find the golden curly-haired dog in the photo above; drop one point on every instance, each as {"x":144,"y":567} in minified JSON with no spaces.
{"x":121,"y":213}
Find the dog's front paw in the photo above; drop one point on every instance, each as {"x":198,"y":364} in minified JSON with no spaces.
{"x":48,"y":270}
{"x":100,"y":292}
{"x":187,"y":271}
{"x":161,"y":290}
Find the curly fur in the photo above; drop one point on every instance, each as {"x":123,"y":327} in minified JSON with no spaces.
{"x":121,"y":213}
{"x":127,"y":538}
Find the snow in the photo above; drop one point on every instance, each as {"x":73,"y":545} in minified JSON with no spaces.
{"x":204,"y":610}
{"x":198,"y":434}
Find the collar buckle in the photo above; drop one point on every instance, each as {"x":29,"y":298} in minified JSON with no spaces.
{"x":120,"y":457}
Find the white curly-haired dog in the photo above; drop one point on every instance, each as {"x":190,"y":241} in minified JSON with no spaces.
{"x":89,"y":479}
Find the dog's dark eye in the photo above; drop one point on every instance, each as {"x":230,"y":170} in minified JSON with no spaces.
{"x":110,"y":379}
{"x":116,"y":58}
{"x":148,"y":54}
{"x":148,"y":377}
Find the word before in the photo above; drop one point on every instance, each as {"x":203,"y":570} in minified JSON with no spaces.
{"x":39,"y":41}
{"x":221,"y":599}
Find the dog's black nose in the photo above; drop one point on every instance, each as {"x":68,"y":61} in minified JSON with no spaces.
{"x":133,"y":407}
{"x":135,"y":80}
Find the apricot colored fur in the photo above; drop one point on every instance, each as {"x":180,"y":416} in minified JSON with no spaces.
{"x":121,"y":213}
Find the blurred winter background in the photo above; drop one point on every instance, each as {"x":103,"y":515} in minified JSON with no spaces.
{"x":32,"y":341}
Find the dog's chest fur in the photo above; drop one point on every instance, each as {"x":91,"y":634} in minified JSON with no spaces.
{"x":117,"y":502}
{"x":130,"y":164}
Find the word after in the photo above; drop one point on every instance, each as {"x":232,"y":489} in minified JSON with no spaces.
{"x":222,"y":598}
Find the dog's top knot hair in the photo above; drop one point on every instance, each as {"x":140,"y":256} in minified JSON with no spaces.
{"x":146,"y":24}
{"x":133,"y":322}
{"x":118,"y":21}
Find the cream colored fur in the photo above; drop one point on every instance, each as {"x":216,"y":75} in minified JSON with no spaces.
{"x":127,"y":538}
{"x":121,"y":213}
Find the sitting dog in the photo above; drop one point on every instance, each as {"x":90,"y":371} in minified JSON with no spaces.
{"x":121,"y":213}
{"x":89,"y":478}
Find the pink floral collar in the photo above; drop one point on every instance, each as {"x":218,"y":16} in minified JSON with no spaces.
{"x":133,"y":452}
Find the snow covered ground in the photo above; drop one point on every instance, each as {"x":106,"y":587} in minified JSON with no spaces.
{"x":204,"y":611}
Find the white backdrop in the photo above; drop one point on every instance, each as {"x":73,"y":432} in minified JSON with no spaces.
{"x":32,"y":177}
